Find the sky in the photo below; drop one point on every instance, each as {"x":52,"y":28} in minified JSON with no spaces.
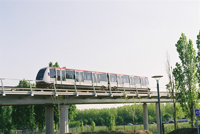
{"x":117,"y":36}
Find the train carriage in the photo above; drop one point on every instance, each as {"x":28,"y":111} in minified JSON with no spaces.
{"x":83,"y":79}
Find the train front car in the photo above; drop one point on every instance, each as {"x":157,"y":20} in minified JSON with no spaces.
{"x":43,"y":78}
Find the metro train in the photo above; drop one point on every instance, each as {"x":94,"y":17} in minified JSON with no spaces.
{"x":83,"y":79}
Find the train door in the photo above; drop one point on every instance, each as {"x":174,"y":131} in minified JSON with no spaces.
{"x":94,"y":79}
{"x":120,"y":81}
{"x":146,"y":82}
{"x":77,"y":78}
{"x":70,"y":77}
{"x":63,"y":79}
{"x":102,"y":79}
{"x":58,"y":76}
{"x":137,"y":82}
{"x":52,"y":75}
{"x":87,"y":76}
{"x":126,"y":81}
{"x":113,"y":80}
{"x":131,"y":81}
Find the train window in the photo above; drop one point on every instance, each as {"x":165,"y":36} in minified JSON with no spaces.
{"x":82,"y":78}
{"x":63,"y":75}
{"x":142,"y":81}
{"x":58,"y":75}
{"x":119,"y":79}
{"x":113,"y":78}
{"x":70,"y":74}
{"x":94,"y":78}
{"x":125,"y":79}
{"x":98,"y":78}
{"x":87,"y":76}
{"x":131,"y":80}
{"x":137,"y":80}
{"x":40,"y":74}
{"x":146,"y":81}
{"x":52,"y":73}
{"x":103,"y":77}
{"x":77,"y":76}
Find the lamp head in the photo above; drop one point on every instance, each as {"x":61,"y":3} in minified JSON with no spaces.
{"x":157,"y":76}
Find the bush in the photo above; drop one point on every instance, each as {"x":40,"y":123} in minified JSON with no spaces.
{"x":82,"y":127}
{"x":93,"y":126}
{"x":74,"y":124}
{"x":110,"y":122}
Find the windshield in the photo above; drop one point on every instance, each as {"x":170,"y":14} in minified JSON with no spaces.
{"x":40,"y":74}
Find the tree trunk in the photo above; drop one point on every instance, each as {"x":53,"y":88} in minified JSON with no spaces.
{"x":175,"y":122}
{"x":174,"y":112}
{"x":191,"y":114}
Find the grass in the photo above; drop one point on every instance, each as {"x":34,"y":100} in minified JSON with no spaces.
{"x":152,"y":127}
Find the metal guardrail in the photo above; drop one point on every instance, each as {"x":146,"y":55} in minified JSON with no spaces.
{"x":13,"y":90}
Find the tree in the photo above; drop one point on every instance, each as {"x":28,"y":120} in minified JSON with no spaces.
{"x":23,"y":117}
{"x":198,"y":57}
{"x":39,"y":116}
{"x":110,"y":122}
{"x":93,"y":126}
{"x":119,"y":120}
{"x":172,"y":90}
{"x":85,"y":121}
{"x":185,"y":76}
{"x":50,"y":64}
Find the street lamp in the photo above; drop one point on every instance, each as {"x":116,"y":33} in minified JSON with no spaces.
{"x":157,"y":77}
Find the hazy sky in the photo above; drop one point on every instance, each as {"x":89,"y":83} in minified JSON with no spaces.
{"x":127,"y":36}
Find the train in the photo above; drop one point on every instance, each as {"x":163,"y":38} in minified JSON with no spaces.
{"x":65,"y":78}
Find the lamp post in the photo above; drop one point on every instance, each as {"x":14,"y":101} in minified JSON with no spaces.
{"x":157,"y":77}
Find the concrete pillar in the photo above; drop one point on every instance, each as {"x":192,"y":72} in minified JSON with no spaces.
{"x":64,"y":127}
{"x":145,"y":117}
{"x":49,"y":117}
{"x":157,"y":119}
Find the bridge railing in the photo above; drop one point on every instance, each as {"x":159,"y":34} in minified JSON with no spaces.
{"x":6,"y":89}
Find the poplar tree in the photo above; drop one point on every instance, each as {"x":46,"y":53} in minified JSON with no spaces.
{"x":198,"y":57}
{"x":185,"y":76}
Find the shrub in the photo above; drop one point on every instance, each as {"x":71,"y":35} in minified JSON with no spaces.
{"x":93,"y":126}
{"x":74,"y":124}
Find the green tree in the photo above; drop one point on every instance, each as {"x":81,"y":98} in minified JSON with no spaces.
{"x":82,"y":127}
{"x":56,"y":65}
{"x":93,"y":126}
{"x":110,"y":123}
{"x":185,"y":76}
{"x":85,"y":121}
{"x":23,"y":117}
{"x":198,"y":57}
{"x":39,"y":116}
{"x":172,"y":90}
{"x":119,"y":120}
{"x":50,"y":64}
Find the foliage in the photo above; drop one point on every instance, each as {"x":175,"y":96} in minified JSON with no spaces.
{"x":93,"y":126}
{"x":5,"y":118}
{"x":172,"y":90}
{"x":198,"y":57}
{"x":125,"y":113}
{"x":85,"y":121}
{"x":185,"y":76}
{"x":40,"y":116}
{"x":82,"y":127}
{"x":74,"y":124}
{"x":110,"y":122}
{"x":23,"y":116}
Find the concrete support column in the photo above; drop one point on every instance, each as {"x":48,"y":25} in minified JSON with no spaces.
{"x":157,"y":119}
{"x":64,"y":127}
{"x":145,"y":117}
{"x":49,"y":117}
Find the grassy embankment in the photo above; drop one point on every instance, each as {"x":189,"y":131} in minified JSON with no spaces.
{"x":152,"y":127}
